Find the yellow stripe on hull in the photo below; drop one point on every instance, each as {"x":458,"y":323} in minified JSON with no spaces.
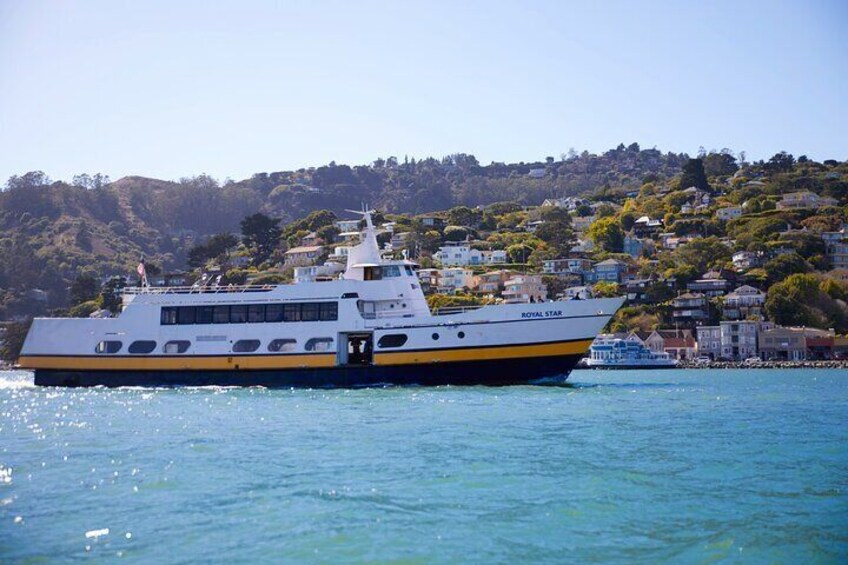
{"x":194,"y":363}
{"x":260,"y":362}
{"x":483,"y":353}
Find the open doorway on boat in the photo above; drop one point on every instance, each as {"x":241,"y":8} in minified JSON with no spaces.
{"x":356,"y":348}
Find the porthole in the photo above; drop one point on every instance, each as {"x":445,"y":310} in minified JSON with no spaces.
{"x":281,"y":345}
{"x":461,"y":335}
{"x":435,"y":337}
{"x":319,"y":344}
{"x":176,"y":346}
{"x":246,"y":346}
{"x":108,"y":347}
{"x":142,"y":346}
{"x":392,"y":340}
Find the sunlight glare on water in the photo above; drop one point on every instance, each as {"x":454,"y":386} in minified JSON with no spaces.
{"x":691,"y":466}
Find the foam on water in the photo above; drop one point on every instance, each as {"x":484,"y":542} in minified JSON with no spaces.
{"x":685,"y":466}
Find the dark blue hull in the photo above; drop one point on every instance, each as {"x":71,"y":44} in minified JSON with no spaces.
{"x":492,"y":373}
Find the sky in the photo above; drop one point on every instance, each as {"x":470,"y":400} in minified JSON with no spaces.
{"x":172,"y":89}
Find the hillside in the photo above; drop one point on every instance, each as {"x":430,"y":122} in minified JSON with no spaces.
{"x":53,"y":232}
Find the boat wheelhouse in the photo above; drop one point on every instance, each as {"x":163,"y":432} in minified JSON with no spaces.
{"x":369,"y":327}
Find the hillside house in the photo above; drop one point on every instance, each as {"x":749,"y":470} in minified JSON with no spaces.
{"x":744,"y":302}
{"x":491,"y":282}
{"x":836,"y":247}
{"x":455,"y":279}
{"x":611,"y":270}
{"x":525,"y":288}
{"x":728,"y":213}
{"x":303,"y":256}
{"x":458,"y":254}
{"x":804,"y":200}
{"x":691,"y":308}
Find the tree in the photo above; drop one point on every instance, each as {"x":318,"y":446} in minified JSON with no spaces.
{"x":607,"y":234}
{"x":801,"y":300}
{"x":605,"y":289}
{"x":13,"y":340}
{"x":260,"y":234}
{"x":463,"y":216}
{"x":694,"y":175}
{"x":557,"y":234}
{"x":110,"y":294}
{"x":784,"y":265}
{"x":720,"y":164}
{"x":84,"y":288}
{"x":780,"y":163}
{"x":702,"y":254}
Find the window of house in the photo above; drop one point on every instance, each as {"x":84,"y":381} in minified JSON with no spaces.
{"x":246,"y":346}
{"x":176,"y":346}
{"x":142,"y":346}
{"x":108,"y":347}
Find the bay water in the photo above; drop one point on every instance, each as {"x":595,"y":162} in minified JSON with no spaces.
{"x":694,"y":466}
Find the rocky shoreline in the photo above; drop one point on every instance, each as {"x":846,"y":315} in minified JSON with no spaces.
{"x":828,"y":364}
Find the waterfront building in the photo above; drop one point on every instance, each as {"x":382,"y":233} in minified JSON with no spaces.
{"x":795,"y":344}
{"x":739,"y":339}
{"x":709,"y":341}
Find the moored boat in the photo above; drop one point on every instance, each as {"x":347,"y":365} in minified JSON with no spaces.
{"x":607,"y":352}
{"x":370,"y":327}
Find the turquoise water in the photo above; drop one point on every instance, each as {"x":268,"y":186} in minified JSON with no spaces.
{"x":683,"y":466}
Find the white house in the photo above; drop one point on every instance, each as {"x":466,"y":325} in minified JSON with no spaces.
{"x":524,"y":289}
{"x":458,"y":254}
{"x":494,"y":257}
{"x":728,"y":213}
{"x":537,"y":173}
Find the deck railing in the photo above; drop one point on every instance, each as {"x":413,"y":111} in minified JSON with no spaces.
{"x":451,"y":310}
{"x":198,"y":289}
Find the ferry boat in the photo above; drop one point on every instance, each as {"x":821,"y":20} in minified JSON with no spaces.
{"x":370,"y":327}
{"x":608,"y":352}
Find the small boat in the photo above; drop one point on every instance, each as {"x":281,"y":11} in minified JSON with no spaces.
{"x":371,"y":326}
{"x":607,"y":352}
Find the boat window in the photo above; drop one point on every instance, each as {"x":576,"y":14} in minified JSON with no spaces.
{"x":274,"y":313}
{"x":309,"y":312}
{"x":238,"y":314}
{"x":246,"y":346}
{"x":329,"y":311}
{"x":185,"y":315}
{"x":256,"y":313}
{"x":408,"y":270}
{"x":319,"y":344}
{"x":282,"y":345}
{"x":221,"y":315}
{"x":168,"y":316}
{"x":392,"y":340}
{"x":390,"y":271}
{"x":142,"y":346}
{"x":350,"y":295}
{"x":108,"y":347}
{"x":176,"y":346}
{"x":204,"y":315}
{"x":372,"y":273}
{"x":291,"y":312}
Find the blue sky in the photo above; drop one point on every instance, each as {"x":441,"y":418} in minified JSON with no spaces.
{"x":172,"y":89}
